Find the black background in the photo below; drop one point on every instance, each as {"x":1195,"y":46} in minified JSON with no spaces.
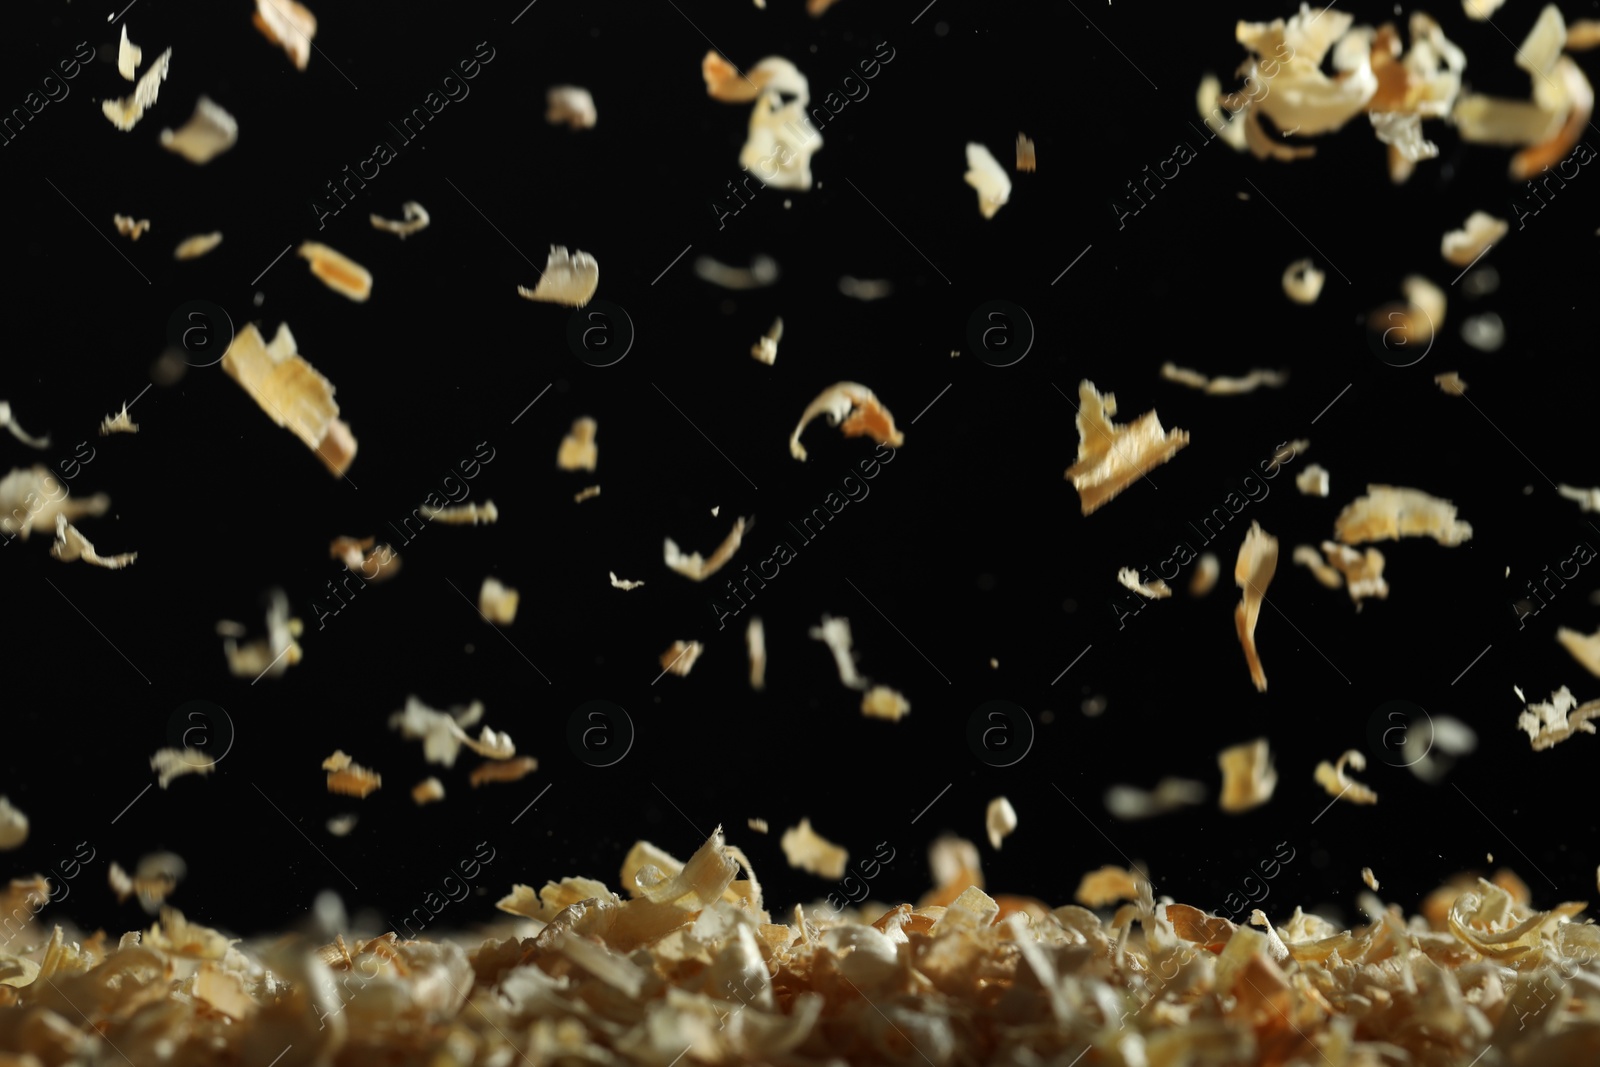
{"x":971,"y":544}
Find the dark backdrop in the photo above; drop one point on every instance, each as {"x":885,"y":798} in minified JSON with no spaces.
{"x":971,"y":545}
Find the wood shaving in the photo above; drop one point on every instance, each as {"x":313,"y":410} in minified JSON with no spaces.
{"x":725,"y":83}
{"x":1461,"y":248}
{"x":758,"y":825}
{"x":126,"y":112}
{"x":290,"y":26}
{"x":349,"y":779}
{"x":427,"y":791}
{"x":443,"y":733}
{"x":578,"y":450}
{"x":835,"y":633}
{"x":119,"y":423}
{"x":503,"y":770}
{"x":1363,"y":571}
{"x":209,"y":132}
{"x":129,"y":56}
{"x":1388,"y":513}
{"x":71,"y":545}
{"x":1000,"y":819}
{"x":1205,"y":577}
{"x":1581,"y":35}
{"x":341,"y":825}
{"x":270,"y":655}
{"x":1585,"y":648}
{"x":569,"y":279}
{"x":807,"y":850}
{"x":463,"y":514}
{"x":681,"y":657}
{"x":1302,"y":282}
{"x":1170,"y":794}
{"x":292,"y":393}
{"x":1248,"y":777}
{"x":498,"y":602}
{"x":755,"y":643}
{"x":1557,"y":719}
{"x":1331,"y":776}
{"x":1480,"y":10}
{"x":154,"y":880}
{"x":1155,"y":590}
{"x":855,"y":410}
{"x":415,"y":216}
{"x":571,"y":105}
{"x":198,"y":245}
{"x":696,"y":568}
{"x":815,"y":8}
{"x":586,"y":494}
{"x":10,"y":423}
{"x":881,"y":702}
{"x":989,"y":178}
{"x":1225,"y":386}
{"x":375,"y":561}
{"x":1112,"y":457}
{"x":1588,"y":499}
{"x":170,"y":763}
{"x":1027,"y":160}
{"x":865,"y":289}
{"x":1414,"y":322}
{"x":337,"y":271}
{"x":1257,"y":563}
{"x":623,"y":583}
{"x":40,"y":497}
{"x":1308,"y":557}
{"x":130,"y":229}
{"x":1313,"y":481}
{"x":13,"y":826}
{"x":765,"y":350}
{"x":1451,"y":383}
{"x":1371,"y":879}
{"x":1099,"y":889}
{"x":762,"y":272}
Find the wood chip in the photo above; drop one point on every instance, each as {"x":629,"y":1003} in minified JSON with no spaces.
{"x":126,"y":112}
{"x":807,"y":850}
{"x":348,"y":778}
{"x":337,"y":271}
{"x":13,"y":826}
{"x":571,"y":105}
{"x":503,"y":770}
{"x":1463,"y":247}
{"x":578,"y":450}
{"x":1451,"y":383}
{"x":586,"y":494}
{"x":170,"y":763}
{"x":1170,"y":794}
{"x":989,"y":178}
{"x":464,"y":514}
{"x":1557,"y":719}
{"x":427,"y":791}
{"x":1363,"y":571}
{"x":1155,"y":590}
{"x":758,"y":825}
{"x":1371,"y":879}
{"x":129,"y":56}
{"x":288,"y":24}
{"x":765,"y":350}
{"x":1585,"y":648}
{"x":198,"y":245}
{"x":1313,"y":481}
{"x":1205,"y":577}
{"x":1257,"y":563}
{"x":1308,"y":557}
{"x":1000,"y":819}
{"x":1113,"y":457}
{"x":118,"y":423}
{"x":881,"y":702}
{"x":292,"y":393}
{"x":1248,"y":777}
{"x":498,"y":602}
{"x":1104,"y":887}
{"x":1027,"y":160}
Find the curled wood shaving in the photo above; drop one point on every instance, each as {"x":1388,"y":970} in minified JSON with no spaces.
{"x":1224,"y":386}
{"x":623,"y":583}
{"x":697,"y":568}
{"x":415,"y":220}
{"x":1557,"y":719}
{"x":1112,"y":457}
{"x":1477,"y":235}
{"x":1310,"y":558}
{"x":855,"y":410}
{"x":1363,"y":571}
{"x":1155,"y":590}
{"x":1257,"y":563}
{"x":1302,"y":282}
{"x":288,"y":24}
{"x":126,"y":112}
{"x":128,"y":228}
{"x":1388,"y":513}
{"x":1331,"y":776}
{"x":569,"y":278}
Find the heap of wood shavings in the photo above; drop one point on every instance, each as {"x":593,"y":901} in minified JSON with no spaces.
{"x":688,"y":967}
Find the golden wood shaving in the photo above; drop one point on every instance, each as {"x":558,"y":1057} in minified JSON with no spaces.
{"x":1480,"y":10}
{"x":337,"y":271}
{"x":126,"y":112}
{"x":129,"y":56}
{"x":1557,"y":719}
{"x":988,"y":177}
{"x":130,"y":229}
{"x":1000,"y":819}
{"x":1388,"y":513}
{"x":1585,"y":648}
{"x":1106,"y":886}
{"x":623,"y":583}
{"x":463,"y":514}
{"x":273,"y":654}
{"x":1155,"y":590}
{"x":855,"y":410}
{"x":1313,"y":481}
{"x":374,"y":561}
{"x":427,"y":791}
{"x":209,"y":132}
{"x":1248,"y":777}
{"x":681,"y":657}
{"x":1331,"y":776}
{"x":758,"y":825}
{"x":1225,"y":386}
{"x":1027,"y":160}
{"x":1257,"y":563}
{"x":586,"y":494}
{"x":881,"y":702}
{"x":198,"y":245}
{"x":498,"y":602}
{"x":696,"y":568}
{"x":1170,"y":794}
{"x":1363,"y":571}
{"x":415,"y":217}
{"x":1588,"y":499}
{"x":1112,"y":457}
{"x":442,"y":734}
{"x":13,"y":826}
{"x":1581,"y":35}
{"x":835,"y":633}
{"x":170,"y":763}
{"x":1309,"y":557}
{"x":765,"y":350}
{"x":571,"y":105}
{"x":569,"y":279}
{"x":1451,"y":383}
{"x":119,"y":423}
{"x":39,"y":496}
{"x":755,"y":643}
{"x":578,"y":450}
{"x":1481,"y":232}
{"x":725,"y":83}
{"x":289,"y":25}
{"x":71,"y":545}
{"x":292,"y":393}
{"x":154,"y":879}
{"x":1205,"y":577}
{"x":7,"y":421}
{"x":1371,"y":879}
{"x":807,"y":850}
{"x":1413,"y":323}
{"x":349,"y":779}
{"x":1302,"y":281}
{"x":503,"y":770}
